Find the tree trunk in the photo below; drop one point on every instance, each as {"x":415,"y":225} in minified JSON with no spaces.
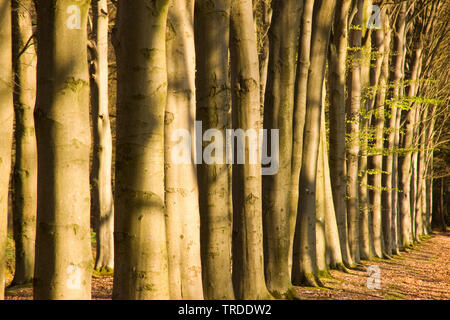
{"x":381,"y":41}
{"x":406,"y":159}
{"x":388,"y":180}
{"x":102,"y":197}
{"x":301,"y":86}
{"x":248,"y":260}
{"x":304,"y":268}
{"x":322,"y":239}
{"x":63,"y":238}
{"x":333,"y":248}
{"x":6,"y":129}
{"x":381,"y":219}
{"x":353,"y":139}
{"x":278,"y":114}
{"x":141,"y":267}
{"x":213,"y":103}
{"x":336,"y":79}
{"x":25,"y":169}
{"x":182,"y":208}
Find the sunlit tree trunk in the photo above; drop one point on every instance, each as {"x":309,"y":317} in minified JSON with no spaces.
{"x":141,"y":267}
{"x":102,"y":197}
{"x":182,"y":207}
{"x":63,"y":238}
{"x":278,"y":114}
{"x":304,"y":267}
{"x":353,"y":139}
{"x":6,"y":129}
{"x":336,"y":80}
{"x":301,"y":86}
{"x":406,"y":157}
{"x":213,"y":103}
{"x":25,"y":169}
{"x":248,"y":260}
{"x":381,"y":42}
{"x":388,"y":181}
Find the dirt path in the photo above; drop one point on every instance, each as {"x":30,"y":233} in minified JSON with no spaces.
{"x":420,"y":273}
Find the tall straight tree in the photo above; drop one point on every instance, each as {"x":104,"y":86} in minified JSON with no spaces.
{"x":63,"y":239}
{"x":304,"y":268}
{"x":380,"y":221}
{"x":25,"y":169}
{"x":353,"y":139}
{"x":278,"y":114}
{"x":141,"y":267}
{"x":301,"y":85}
{"x":388,"y":180}
{"x":182,"y":207}
{"x":102,"y":197}
{"x":405,"y":159}
{"x":212,"y":25}
{"x":6,"y":129}
{"x":248,"y":260}
{"x":336,"y":80}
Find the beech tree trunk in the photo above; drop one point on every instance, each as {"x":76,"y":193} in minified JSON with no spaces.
{"x":304,"y":268}
{"x":102,"y":197}
{"x":182,"y":206}
{"x":6,"y":129}
{"x":141,"y":262}
{"x":301,"y":87}
{"x":278,"y":114}
{"x":338,"y":166}
{"x":406,"y":159}
{"x":63,"y":238}
{"x":353,"y":135}
{"x":378,"y":82}
{"x":25,"y":169}
{"x":213,"y":103}
{"x":389,"y":178}
{"x":248,"y":260}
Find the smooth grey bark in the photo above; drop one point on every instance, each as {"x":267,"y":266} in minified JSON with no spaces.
{"x":212,"y":23}
{"x":25,"y":168}
{"x":381,"y":42}
{"x":388,"y":180}
{"x":63,"y":238}
{"x":141,"y":262}
{"x":304,"y":267}
{"x":102,"y":197}
{"x":353,"y":134}
{"x":405,"y":158}
{"x":336,"y":79}
{"x":301,"y":86}
{"x":181,"y":187}
{"x":248,"y":258}
{"x":6,"y":129}
{"x":278,"y":114}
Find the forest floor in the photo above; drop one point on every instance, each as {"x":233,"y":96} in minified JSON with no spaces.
{"x":421,"y":273}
